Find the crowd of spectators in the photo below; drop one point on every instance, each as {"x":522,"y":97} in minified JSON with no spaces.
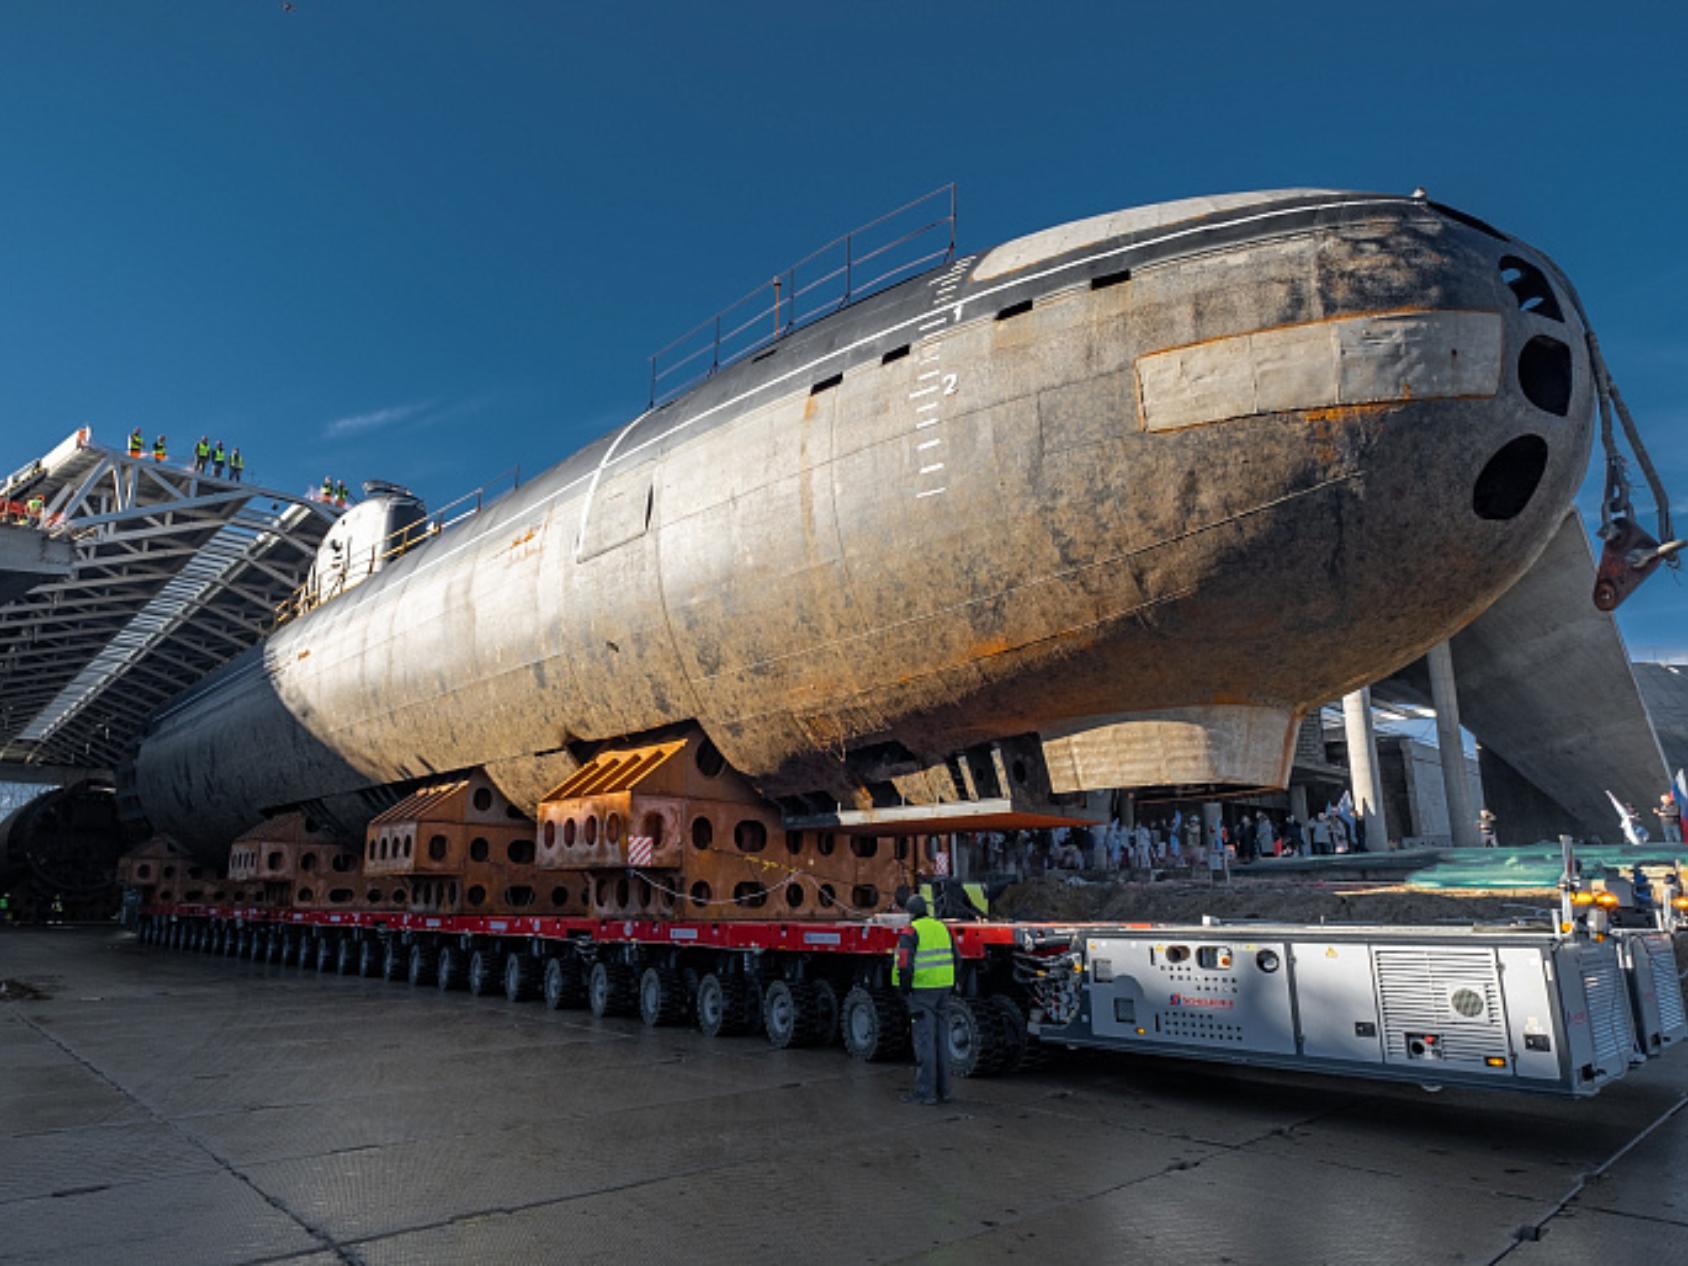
{"x":1173,"y":843}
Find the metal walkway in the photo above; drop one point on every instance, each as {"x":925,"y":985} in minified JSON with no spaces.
{"x":172,"y":573}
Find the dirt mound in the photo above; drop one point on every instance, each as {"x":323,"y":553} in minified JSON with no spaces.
{"x":1059,"y":899}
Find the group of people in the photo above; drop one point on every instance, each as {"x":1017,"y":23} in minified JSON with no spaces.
{"x":206,"y":454}
{"x":208,"y":458}
{"x":25,"y":513}
{"x":1173,"y":843}
{"x":334,"y":491}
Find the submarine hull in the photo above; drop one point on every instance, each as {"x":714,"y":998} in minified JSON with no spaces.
{"x":1146,"y":487}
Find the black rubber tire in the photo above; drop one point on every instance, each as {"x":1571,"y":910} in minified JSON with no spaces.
{"x":216,"y":941}
{"x":422,"y":964}
{"x":1026,"y":1052}
{"x":612,"y":989}
{"x":179,"y":936}
{"x":275,"y":948}
{"x":395,"y":959}
{"x":201,"y":939}
{"x":977,"y":1037}
{"x":485,"y":972}
{"x":451,"y":968}
{"x":248,"y":947}
{"x":565,"y":983}
{"x":826,"y":1013}
{"x":788,"y":1013}
{"x":346,"y":957}
{"x":369,"y":957}
{"x":662,"y":997}
{"x":298,"y":945}
{"x":521,"y":977}
{"x":727,"y":1004}
{"x":874,"y":1024}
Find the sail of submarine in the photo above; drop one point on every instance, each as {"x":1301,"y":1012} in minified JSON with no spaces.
{"x":1128,"y":495}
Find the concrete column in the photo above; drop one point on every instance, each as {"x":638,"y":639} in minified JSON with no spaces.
{"x":1298,"y":801}
{"x":1444,"y":697}
{"x":1363,"y":771}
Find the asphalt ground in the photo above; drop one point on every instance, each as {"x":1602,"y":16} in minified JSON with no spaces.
{"x":175,"y":1108}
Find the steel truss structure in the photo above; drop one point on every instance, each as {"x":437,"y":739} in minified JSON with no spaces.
{"x":174,"y":573}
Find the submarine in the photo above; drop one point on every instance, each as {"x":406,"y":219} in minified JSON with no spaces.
{"x":1118,"y":502}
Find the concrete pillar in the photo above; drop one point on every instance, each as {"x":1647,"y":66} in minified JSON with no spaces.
{"x":1444,"y":697}
{"x":1364,"y":773}
{"x":1298,"y":801}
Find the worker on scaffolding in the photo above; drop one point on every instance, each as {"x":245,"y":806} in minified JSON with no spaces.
{"x":328,"y":489}
{"x":33,"y":509}
{"x":159,"y":452}
{"x":201,"y":455}
{"x":237,"y":463}
{"x":137,"y":444}
{"x":219,"y":459}
{"x":923,"y":970}
{"x":340,"y":494}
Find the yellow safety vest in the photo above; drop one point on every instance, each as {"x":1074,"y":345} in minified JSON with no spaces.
{"x":934,"y":957}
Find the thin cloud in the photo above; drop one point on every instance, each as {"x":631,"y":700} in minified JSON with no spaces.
{"x":356,"y":423}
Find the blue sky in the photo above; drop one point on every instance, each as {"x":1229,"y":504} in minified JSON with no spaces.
{"x":429,"y":242}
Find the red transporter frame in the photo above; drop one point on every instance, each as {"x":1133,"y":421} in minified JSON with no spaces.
{"x":802,"y":982}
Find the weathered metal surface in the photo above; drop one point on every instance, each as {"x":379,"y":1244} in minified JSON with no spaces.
{"x":667,"y":830}
{"x":460,"y":847}
{"x":940,"y":519}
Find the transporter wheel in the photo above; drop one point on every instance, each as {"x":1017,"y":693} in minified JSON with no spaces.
{"x":484,"y":972}
{"x":826,"y":1013}
{"x":345,"y":957}
{"x":788,"y":1014}
{"x":565,"y":983}
{"x":521,"y":977}
{"x":1026,"y":1052}
{"x":247,"y":945}
{"x":370,"y":956}
{"x":874,"y":1024}
{"x":275,"y":947}
{"x":199,"y":938}
{"x":422,"y":965}
{"x":298,"y":945}
{"x":394,"y":960}
{"x":662,"y":997}
{"x":325,"y":954}
{"x":610,"y":990}
{"x":174,"y":939}
{"x":449,"y":971}
{"x":216,"y":940}
{"x":978,"y":1038}
{"x":727,"y":1004}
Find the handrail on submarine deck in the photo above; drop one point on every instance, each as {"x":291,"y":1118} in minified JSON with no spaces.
{"x":308,"y":596}
{"x":744,"y":326}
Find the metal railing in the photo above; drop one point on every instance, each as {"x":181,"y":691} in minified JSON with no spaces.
{"x":867,"y":259}
{"x":318,"y":590}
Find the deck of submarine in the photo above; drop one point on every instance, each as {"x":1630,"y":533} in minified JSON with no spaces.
{"x":162,"y":1107}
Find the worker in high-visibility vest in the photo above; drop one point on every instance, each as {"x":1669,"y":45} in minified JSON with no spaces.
{"x":328,"y":488}
{"x":219,"y":459}
{"x":33,"y":508}
{"x":158,"y":453}
{"x":340,"y":493}
{"x":201,"y":454}
{"x":237,"y":463}
{"x":137,"y":445}
{"x":923,"y":970}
